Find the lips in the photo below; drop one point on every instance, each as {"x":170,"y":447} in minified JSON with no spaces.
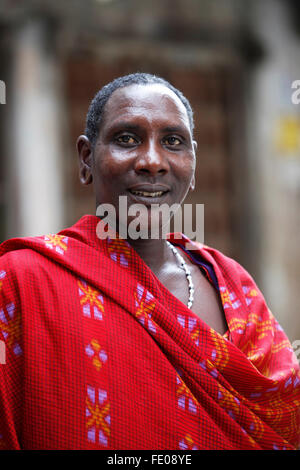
{"x":147,"y":194}
{"x":148,"y":190}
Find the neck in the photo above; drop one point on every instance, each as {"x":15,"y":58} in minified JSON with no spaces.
{"x":155,"y":253}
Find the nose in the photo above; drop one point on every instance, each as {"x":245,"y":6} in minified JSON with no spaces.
{"x":151,"y":160}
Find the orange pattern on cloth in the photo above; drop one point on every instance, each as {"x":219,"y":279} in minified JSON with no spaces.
{"x":100,"y":355}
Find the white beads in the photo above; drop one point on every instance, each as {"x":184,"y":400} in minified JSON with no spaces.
{"x":187,"y":273}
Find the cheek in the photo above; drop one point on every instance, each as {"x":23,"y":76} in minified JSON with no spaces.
{"x":106,"y":168}
{"x":185,"y":170}
{"x":113,"y":163}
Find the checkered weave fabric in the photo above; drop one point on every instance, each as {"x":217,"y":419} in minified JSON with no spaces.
{"x":100,"y":355}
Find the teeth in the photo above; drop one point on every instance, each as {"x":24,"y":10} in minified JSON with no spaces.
{"x":144,"y":193}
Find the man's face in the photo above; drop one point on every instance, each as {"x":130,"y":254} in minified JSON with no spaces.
{"x":144,"y":149}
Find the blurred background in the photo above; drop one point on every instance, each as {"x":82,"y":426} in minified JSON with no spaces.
{"x":235,"y":61}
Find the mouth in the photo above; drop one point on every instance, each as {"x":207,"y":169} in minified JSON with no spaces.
{"x":149,"y":194}
{"x":148,"y":197}
{"x":148,"y":191}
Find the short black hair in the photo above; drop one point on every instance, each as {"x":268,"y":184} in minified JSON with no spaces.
{"x":96,"y":108}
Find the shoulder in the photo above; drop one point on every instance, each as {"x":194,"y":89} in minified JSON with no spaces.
{"x":227,"y":265}
{"x":18,"y":270}
{"x":238,"y":286}
{"x":233,"y":278}
{"x":20,"y":260}
{"x":21,"y":263}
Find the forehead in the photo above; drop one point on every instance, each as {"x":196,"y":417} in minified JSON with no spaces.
{"x":153,"y":103}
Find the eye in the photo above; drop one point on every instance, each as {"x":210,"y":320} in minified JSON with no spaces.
{"x":172,"y":141}
{"x":126,"y":139}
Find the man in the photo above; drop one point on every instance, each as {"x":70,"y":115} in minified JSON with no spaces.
{"x":139,"y":343}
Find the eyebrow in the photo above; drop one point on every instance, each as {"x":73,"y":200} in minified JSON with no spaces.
{"x":179,"y":129}
{"x":137,"y":127}
{"x":126,"y":125}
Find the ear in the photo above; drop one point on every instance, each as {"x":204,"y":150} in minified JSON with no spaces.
{"x":85,"y":154}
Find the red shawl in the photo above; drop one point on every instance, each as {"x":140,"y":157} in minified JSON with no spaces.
{"x":100,"y":355}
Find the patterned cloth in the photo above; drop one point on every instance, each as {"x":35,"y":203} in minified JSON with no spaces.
{"x":100,"y":355}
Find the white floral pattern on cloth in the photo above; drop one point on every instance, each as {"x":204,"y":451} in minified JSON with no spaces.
{"x":59,"y":243}
{"x":91,"y":301}
{"x":97,"y":416}
{"x":144,"y":307}
{"x":10,"y":327}
{"x":119,"y":251}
